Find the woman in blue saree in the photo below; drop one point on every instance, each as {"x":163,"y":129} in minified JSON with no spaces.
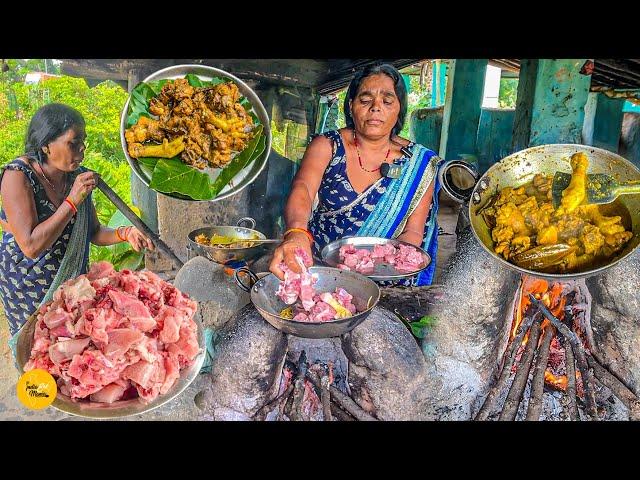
{"x":343,"y":169}
{"x":47,"y":215}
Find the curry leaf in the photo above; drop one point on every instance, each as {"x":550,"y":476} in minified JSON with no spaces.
{"x":172,"y":176}
{"x":239,"y":162}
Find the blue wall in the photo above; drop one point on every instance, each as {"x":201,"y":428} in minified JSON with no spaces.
{"x":493,"y":136}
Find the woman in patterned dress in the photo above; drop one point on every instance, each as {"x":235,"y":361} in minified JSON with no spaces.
{"x":47,"y":210}
{"x":343,"y":169}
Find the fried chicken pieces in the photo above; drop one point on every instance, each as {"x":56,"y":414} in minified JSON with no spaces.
{"x":205,"y":125}
{"x":523,"y":221}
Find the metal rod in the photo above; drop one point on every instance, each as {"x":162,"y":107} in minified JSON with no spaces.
{"x":139,"y":224}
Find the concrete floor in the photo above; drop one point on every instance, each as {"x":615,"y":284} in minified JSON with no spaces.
{"x":181,"y":408}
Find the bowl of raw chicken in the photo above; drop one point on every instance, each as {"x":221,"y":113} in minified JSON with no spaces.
{"x":319,"y":302}
{"x":117,"y":343}
{"x":195,"y":133}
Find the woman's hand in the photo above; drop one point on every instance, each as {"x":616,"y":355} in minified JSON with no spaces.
{"x":285,"y":252}
{"x":138,"y":240}
{"x":82,"y":187}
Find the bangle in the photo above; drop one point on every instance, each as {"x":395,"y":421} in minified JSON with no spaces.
{"x":119,"y":235}
{"x":69,"y":202}
{"x":302,"y":230}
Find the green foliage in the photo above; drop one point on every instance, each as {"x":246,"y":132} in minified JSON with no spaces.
{"x":419,"y":328}
{"x":278,"y":138}
{"x":508,"y":92}
{"x":100,"y":106}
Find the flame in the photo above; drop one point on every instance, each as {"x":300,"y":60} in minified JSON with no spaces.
{"x":556,"y":381}
{"x":554,"y":299}
{"x":529,"y":285}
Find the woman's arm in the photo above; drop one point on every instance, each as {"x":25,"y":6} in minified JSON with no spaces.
{"x":297,"y":211}
{"x":104,"y":236}
{"x":32,"y":237}
{"x":306,"y":183}
{"x":413,"y":232}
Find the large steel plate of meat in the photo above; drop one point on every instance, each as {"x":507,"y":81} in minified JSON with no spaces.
{"x":382,"y":270}
{"x":122,"y":408}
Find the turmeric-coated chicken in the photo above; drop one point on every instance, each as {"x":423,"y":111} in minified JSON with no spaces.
{"x":526,"y":230}
{"x":164,"y":150}
{"x":576,"y":192}
{"x":210,"y":121}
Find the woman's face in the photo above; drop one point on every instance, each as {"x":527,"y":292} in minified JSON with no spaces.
{"x":375,"y":107}
{"x":67,"y":151}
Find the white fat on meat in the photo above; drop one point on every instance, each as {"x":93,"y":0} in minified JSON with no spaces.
{"x":75,"y":291}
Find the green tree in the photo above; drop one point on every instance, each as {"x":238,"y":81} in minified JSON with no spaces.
{"x":508,"y":92}
{"x":100,"y":106}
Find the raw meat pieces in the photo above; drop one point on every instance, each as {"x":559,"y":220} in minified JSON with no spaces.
{"x":312,"y":307}
{"x":404,"y":258}
{"x":110,"y":336}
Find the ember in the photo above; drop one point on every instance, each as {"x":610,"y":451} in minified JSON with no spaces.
{"x":551,"y":323}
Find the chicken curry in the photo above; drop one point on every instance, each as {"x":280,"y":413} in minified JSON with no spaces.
{"x":528,"y":231}
{"x":205,"y":125}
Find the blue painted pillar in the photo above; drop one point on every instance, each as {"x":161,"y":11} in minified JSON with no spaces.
{"x":494,"y":136}
{"x":438,"y":83}
{"x":426,"y":127}
{"x":603,"y":121}
{"x":465,"y":87}
{"x":550,"y":105}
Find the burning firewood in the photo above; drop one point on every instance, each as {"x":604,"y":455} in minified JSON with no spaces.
{"x":578,"y":349}
{"x":571,"y":382}
{"x":510,"y":409}
{"x":625,"y":395}
{"x":537,"y":384}
{"x":325,"y":397}
{"x":612,"y":367}
{"x":489,"y":402}
{"x":275,"y":403}
{"x":340,"y":414}
{"x":342,"y":399}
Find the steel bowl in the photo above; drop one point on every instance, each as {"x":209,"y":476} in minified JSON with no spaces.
{"x":264,"y":298}
{"x":520,"y":167}
{"x":224,"y":255}
{"x":243,"y":178}
{"x":330,"y":255}
{"x":118,"y":409}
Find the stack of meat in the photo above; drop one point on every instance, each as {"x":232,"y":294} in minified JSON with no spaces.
{"x":112,"y":336}
{"x":312,"y":307}
{"x":404,"y":258}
